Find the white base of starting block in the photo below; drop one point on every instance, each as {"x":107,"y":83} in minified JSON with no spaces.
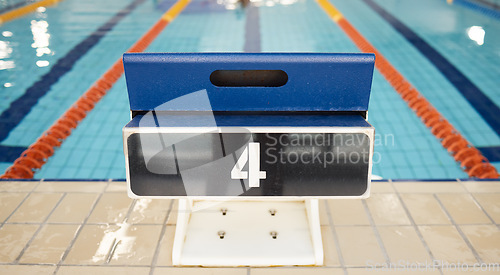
{"x":248,"y":234}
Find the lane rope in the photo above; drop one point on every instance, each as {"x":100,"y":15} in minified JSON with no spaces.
{"x":41,"y":150}
{"x":470,"y":158}
{"x":21,"y":11}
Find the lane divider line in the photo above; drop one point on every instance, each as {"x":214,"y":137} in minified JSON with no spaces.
{"x":41,"y":150}
{"x":13,"y":14}
{"x":469,"y":157}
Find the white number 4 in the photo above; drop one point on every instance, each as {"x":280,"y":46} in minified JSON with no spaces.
{"x":251,"y":154}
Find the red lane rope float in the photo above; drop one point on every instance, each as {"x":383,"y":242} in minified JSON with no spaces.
{"x":471,"y":159}
{"x":38,"y":153}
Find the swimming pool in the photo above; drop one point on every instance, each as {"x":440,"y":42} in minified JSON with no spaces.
{"x":49,"y":58}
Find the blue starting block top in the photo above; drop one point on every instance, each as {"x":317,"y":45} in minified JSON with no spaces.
{"x":250,"y":81}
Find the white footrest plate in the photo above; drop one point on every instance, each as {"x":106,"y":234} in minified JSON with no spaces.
{"x":244,"y":235}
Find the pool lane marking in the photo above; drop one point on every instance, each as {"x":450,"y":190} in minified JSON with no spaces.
{"x":483,"y":7}
{"x":483,"y":105}
{"x":38,"y":153}
{"x":252,"y":29}
{"x":14,"y":6}
{"x":470,"y":158}
{"x":21,"y":11}
{"x":21,"y":107}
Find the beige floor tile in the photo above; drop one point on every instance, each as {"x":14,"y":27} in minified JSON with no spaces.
{"x":386,"y":209}
{"x":199,"y":271}
{"x":71,"y":186}
{"x":74,"y":208}
{"x":165,"y":254}
{"x":493,"y":271}
{"x":482,"y":186}
{"x":359,"y":245}
{"x":491,"y":204}
{"x":370,"y":271}
{"x":323,"y":214}
{"x":381,"y":187}
{"x":425,"y":209}
{"x":49,"y":244}
{"x":9,"y":202}
{"x":348,"y":212}
{"x":463,"y":209}
{"x":149,"y":211}
{"x":446,"y":244}
{"x":27,"y":269}
{"x":486,"y":241}
{"x":117,"y":186}
{"x":296,"y":271}
{"x":111,"y":208}
{"x":13,"y":238}
{"x":136,"y":245}
{"x":428,"y":187}
{"x":331,"y":258}
{"x":102,"y":270}
{"x":403,"y":244}
{"x":128,"y":244}
{"x":35,"y":208}
{"x":93,"y":244}
{"x":17,"y":186}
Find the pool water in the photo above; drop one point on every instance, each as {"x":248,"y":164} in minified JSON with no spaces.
{"x":49,"y":58}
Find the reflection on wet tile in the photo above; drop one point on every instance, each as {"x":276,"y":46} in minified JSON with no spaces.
{"x":17,"y":186}
{"x":428,"y":187}
{"x":359,"y":245}
{"x":386,"y":209}
{"x":49,"y":244}
{"x":331,"y":257}
{"x":102,"y":270}
{"x":74,"y":208}
{"x":93,"y":245}
{"x":491,"y":204}
{"x":425,"y":209}
{"x":446,"y":244}
{"x":165,"y":254}
{"x":27,"y":269}
{"x":402,"y":244}
{"x":293,"y":271}
{"x":35,"y":208}
{"x":121,"y":244}
{"x":61,"y":186}
{"x":149,"y":211}
{"x":463,"y":209}
{"x":111,"y":208}
{"x":200,"y":271}
{"x":13,"y":238}
{"x":486,"y":240}
{"x":348,"y":212}
{"x":9,"y":202}
{"x":135,"y":245}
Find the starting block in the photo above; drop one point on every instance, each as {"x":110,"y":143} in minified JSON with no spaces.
{"x":248,"y":143}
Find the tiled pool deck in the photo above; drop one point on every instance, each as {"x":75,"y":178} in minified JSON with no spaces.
{"x":94,"y":228}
